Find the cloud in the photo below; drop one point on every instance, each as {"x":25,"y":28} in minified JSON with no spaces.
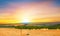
{"x":32,"y":10}
{"x":42,"y":8}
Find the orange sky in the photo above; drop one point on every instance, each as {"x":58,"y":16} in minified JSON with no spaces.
{"x":30,"y":12}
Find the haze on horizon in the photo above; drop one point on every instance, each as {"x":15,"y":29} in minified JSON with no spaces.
{"x":29,"y":11}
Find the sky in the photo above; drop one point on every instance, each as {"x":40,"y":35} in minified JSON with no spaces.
{"x":23,"y":11}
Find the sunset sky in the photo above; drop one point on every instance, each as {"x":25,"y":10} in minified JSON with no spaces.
{"x":21,"y":11}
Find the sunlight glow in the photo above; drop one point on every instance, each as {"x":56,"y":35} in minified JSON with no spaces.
{"x":25,"y":20}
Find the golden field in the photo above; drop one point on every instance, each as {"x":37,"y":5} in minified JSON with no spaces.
{"x":27,"y":32}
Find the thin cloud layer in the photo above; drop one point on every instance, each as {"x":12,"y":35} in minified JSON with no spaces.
{"x":13,"y":10}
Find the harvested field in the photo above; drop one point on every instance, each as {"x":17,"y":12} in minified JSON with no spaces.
{"x":27,"y":32}
{"x":9,"y":32}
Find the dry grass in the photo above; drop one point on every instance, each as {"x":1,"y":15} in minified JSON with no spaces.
{"x":24,"y":32}
{"x":9,"y":32}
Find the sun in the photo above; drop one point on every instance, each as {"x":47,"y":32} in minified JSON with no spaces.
{"x":25,"y":21}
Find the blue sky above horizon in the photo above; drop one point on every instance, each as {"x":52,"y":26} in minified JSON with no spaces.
{"x":16,"y":11}
{"x":4,"y":3}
